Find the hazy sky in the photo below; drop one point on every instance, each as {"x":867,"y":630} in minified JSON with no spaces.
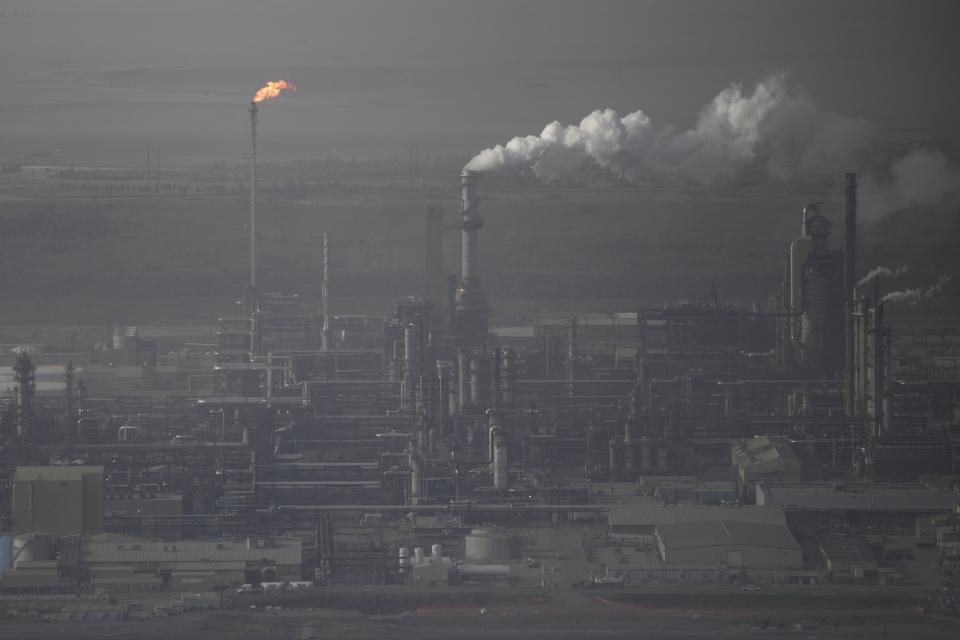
{"x":450,"y":75}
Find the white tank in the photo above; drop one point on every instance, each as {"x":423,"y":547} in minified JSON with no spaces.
{"x":418,"y":556}
{"x":436,"y":553}
{"x":487,"y":546}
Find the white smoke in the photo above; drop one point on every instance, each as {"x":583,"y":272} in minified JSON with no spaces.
{"x":923,"y":178}
{"x":885,"y":272}
{"x":781,"y":132}
{"x":914,"y":296}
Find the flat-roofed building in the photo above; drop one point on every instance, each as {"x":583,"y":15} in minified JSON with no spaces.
{"x":736,"y":545}
{"x":58,"y":500}
{"x":639,"y":523}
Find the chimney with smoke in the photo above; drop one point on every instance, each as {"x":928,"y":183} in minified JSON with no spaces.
{"x":470,"y":306}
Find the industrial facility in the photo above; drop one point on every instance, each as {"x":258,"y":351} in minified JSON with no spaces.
{"x":699,"y":441}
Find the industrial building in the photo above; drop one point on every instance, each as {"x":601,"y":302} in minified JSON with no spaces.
{"x":737,"y":545}
{"x":59,"y":501}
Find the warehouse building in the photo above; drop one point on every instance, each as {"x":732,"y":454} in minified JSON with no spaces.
{"x":60,"y":501}
{"x":125,"y":563}
{"x":639,"y":524}
{"x":737,"y":545}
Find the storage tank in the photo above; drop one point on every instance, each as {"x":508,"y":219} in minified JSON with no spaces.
{"x":646,"y":457}
{"x":663,"y":459}
{"x":487,"y":545}
{"x":417,"y":556}
{"x":6,"y":553}
{"x":436,"y":553}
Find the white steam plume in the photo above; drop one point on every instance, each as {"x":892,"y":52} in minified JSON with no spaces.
{"x":913,"y":296}
{"x":886,"y":272}
{"x":784,"y":133}
{"x":923,"y":178}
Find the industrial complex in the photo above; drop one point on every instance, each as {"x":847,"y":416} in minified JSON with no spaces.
{"x":806,"y":441}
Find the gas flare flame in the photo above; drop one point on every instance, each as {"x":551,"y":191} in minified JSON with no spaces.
{"x":272,"y":89}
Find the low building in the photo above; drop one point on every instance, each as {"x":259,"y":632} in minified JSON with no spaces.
{"x":118,"y":560}
{"x":58,"y":500}
{"x":848,"y":561}
{"x":907,"y":498}
{"x":741,"y":547}
{"x":639,"y":523}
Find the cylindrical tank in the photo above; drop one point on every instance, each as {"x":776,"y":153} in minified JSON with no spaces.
{"x":417,"y":556}
{"x":436,"y":553}
{"x":416,"y":476}
{"x":404,"y":559}
{"x":492,"y":434}
{"x":488,"y":546}
{"x":614,"y":464}
{"x":463,"y":364}
{"x":475,"y":382}
{"x":6,"y":553}
{"x":31,"y":548}
{"x":646,"y":457}
{"x":663,"y":459}
{"x":501,"y":463}
{"x":409,"y":366}
{"x":506,"y":375}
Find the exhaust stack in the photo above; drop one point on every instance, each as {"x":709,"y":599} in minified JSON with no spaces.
{"x":253,"y":194}
{"x":849,"y":284}
{"x":470,"y":305}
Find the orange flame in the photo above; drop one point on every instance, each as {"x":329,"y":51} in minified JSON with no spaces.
{"x":272,"y":89}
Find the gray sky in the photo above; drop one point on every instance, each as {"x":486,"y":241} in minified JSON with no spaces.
{"x":448,"y":75}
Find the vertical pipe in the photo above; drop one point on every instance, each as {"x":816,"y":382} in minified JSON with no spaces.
{"x":462,"y":373}
{"x":849,"y":285}
{"x":470,"y":222}
{"x":475,"y":382}
{"x":572,"y":355}
{"x":496,"y":383}
{"x":409,"y":391}
{"x":325,"y":295}
{"x":253,"y":194}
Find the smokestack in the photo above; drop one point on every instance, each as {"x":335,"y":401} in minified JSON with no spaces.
{"x":409,"y":366}
{"x":471,"y":223}
{"x":850,"y":238}
{"x":849,"y":285}
{"x":325,"y":294}
{"x":253,"y":194}
{"x":470,"y":312}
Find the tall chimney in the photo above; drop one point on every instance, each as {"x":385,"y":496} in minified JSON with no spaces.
{"x":471,"y":223}
{"x":849,"y":284}
{"x":470,"y":312}
{"x":253,"y":195}
{"x":850,"y":238}
{"x":325,"y":332}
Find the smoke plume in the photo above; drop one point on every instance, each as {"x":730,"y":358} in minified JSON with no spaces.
{"x":922,"y":178}
{"x":913,"y":296}
{"x":885,"y":272}
{"x":272,"y":89}
{"x":771,"y":128}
